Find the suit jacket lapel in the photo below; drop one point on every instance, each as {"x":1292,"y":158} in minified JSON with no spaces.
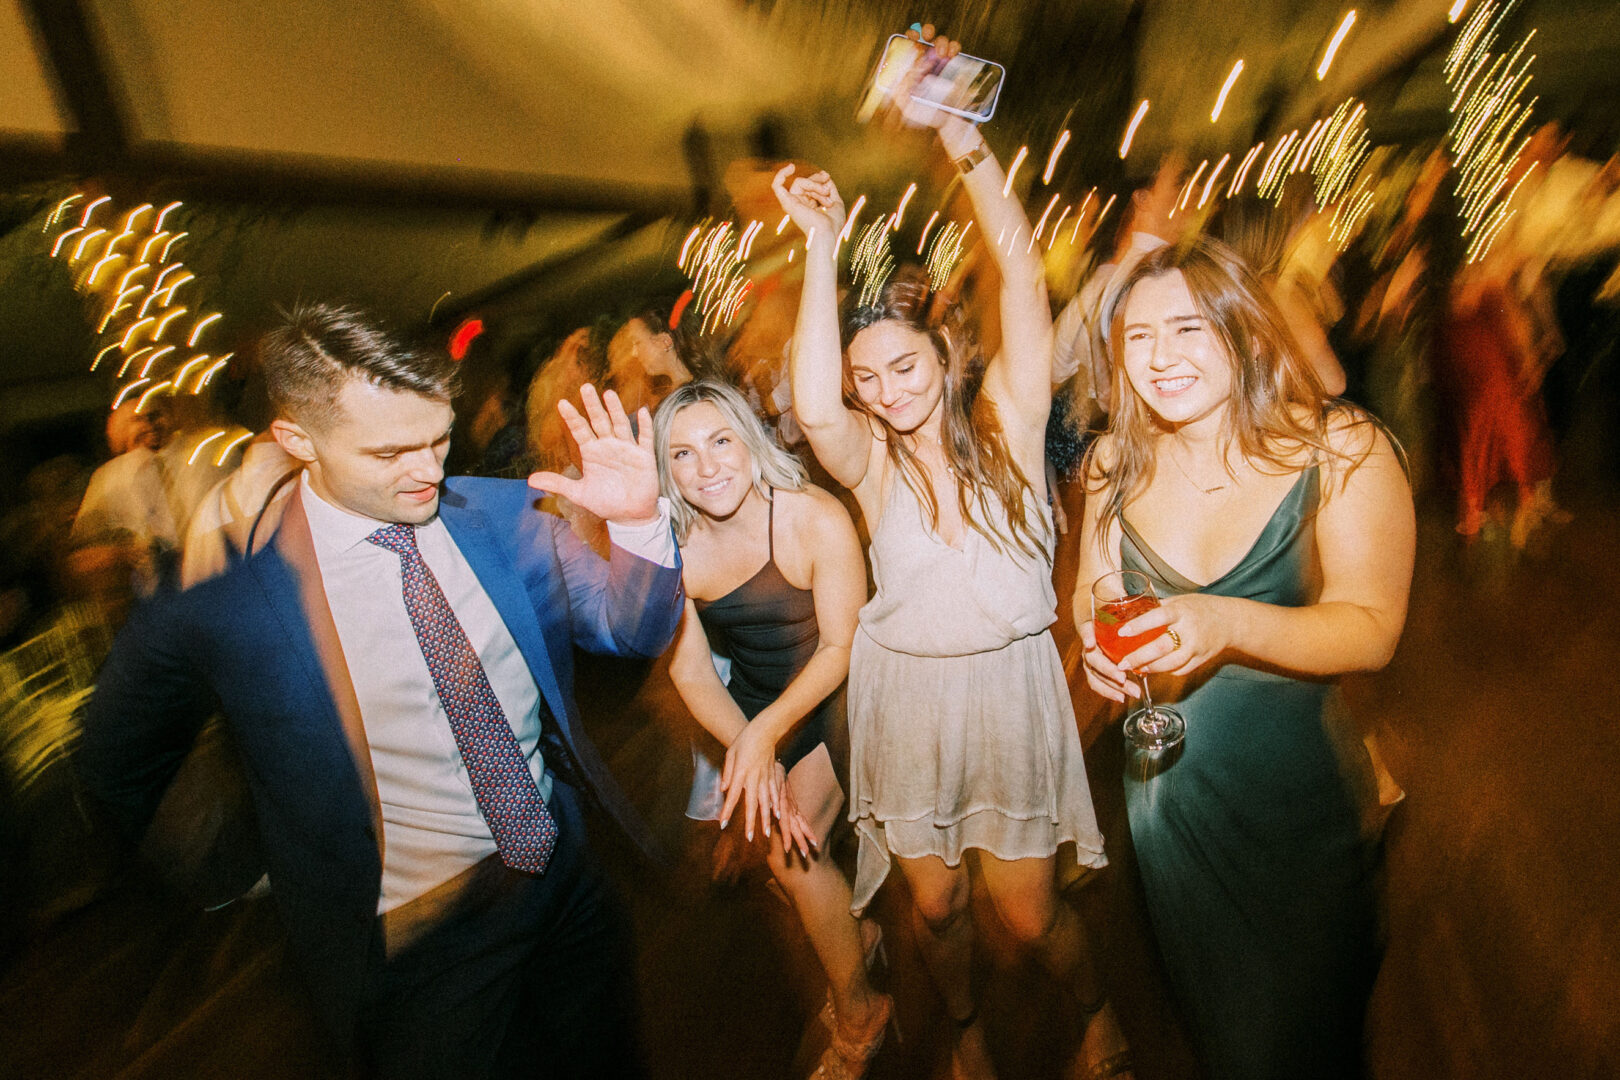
{"x":297,"y":549}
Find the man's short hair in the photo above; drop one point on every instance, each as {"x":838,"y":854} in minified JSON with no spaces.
{"x":318,"y":347}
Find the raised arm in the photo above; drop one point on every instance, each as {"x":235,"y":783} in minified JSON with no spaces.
{"x":840,"y":437}
{"x":1020,"y":376}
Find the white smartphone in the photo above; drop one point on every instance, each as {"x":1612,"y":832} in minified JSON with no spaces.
{"x":964,"y":85}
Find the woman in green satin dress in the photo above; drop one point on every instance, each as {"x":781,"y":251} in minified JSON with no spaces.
{"x":1277,"y":528}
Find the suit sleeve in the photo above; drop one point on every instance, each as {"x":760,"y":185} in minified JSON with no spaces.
{"x":624,"y":605}
{"x":149,"y":703}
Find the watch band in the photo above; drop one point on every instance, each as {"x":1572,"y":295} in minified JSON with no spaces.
{"x":970,"y":160}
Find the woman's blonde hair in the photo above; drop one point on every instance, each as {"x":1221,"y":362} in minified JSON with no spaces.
{"x":1277,"y":406}
{"x":773,"y":467}
{"x":970,"y":430}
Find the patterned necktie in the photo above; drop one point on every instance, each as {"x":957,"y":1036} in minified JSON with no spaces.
{"x":507,"y":796}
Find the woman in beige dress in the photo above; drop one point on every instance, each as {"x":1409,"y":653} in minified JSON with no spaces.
{"x":962,"y":730}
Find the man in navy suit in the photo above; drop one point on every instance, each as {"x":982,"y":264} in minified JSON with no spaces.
{"x":394,"y":657}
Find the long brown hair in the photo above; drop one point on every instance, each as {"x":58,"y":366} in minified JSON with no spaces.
{"x":970,"y":430}
{"x":1277,"y":406}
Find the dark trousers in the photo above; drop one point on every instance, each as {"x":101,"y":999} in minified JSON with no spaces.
{"x":526,"y":976}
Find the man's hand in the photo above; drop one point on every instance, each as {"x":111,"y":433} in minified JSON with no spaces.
{"x":619,"y":478}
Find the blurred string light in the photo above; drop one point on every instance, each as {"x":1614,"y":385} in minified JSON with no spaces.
{"x":871,"y":262}
{"x":1045,"y":216}
{"x":1489,"y":112}
{"x":1057,"y":226}
{"x":1351,"y":211}
{"x":1052,"y":158}
{"x":945,"y":254}
{"x":1456,"y":11}
{"x":1130,"y":130}
{"x":900,"y":212}
{"x":225,"y":451}
{"x":780,"y":225}
{"x":924,"y":240}
{"x":1333,"y":46}
{"x":849,"y":222}
{"x":711,"y":257}
{"x":1018,"y":160}
{"x":203,"y":445}
{"x":132,"y":332}
{"x":1340,"y":150}
{"x":1209,"y":185}
{"x":1226,"y":88}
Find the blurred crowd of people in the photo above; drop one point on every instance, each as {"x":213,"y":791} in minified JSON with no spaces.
{"x":1484,"y":371}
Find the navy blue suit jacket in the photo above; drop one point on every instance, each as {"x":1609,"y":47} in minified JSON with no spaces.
{"x":258,"y":644}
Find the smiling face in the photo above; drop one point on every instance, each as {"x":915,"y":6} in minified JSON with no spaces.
{"x":1173,"y":359}
{"x":708,"y":462}
{"x":898,"y":374}
{"x":382,"y":454}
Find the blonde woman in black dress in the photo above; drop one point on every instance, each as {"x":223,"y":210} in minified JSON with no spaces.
{"x":774,"y":578}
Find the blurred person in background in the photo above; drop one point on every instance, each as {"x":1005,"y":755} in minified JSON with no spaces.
{"x":784,"y":627}
{"x":962,"y":730}
{"x":395,"y":658}
{"x":1147,"y":221}
{"x":644,"y":363}
{"x":1277,"y":529}
{"x":1265,"y":235}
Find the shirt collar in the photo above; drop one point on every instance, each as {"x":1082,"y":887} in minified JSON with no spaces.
{"x":1144,"y":242}
{"x":335,"y":530}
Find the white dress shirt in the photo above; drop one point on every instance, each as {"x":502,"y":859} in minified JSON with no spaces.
{"x":432,"y":827}
{"x":1073,"y":335}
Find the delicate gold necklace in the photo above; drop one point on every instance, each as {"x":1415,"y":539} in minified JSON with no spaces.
{"x":1181,"y":469}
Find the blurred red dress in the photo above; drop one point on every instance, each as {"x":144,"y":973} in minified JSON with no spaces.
{"x":1500,"y":422}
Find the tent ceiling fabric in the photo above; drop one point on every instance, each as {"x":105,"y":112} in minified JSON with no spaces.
{"x":28,"y":104}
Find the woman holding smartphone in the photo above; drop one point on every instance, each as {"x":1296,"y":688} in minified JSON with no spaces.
{"x":773,"y":576}
{"x":962,"y":732}
{"x":1277,"y":529}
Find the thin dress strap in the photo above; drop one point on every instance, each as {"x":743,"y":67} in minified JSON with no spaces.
{"x":770,"y":527}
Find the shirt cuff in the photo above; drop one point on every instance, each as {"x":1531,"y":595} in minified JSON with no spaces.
{"x":654,"y":541}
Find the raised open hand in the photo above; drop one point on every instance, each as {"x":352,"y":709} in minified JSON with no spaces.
{"x":812,"y":202}
{"x":619,"y":477}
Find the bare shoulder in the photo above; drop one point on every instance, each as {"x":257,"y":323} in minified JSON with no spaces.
{"x":1102,"y":457}
{"x":813,"y":512}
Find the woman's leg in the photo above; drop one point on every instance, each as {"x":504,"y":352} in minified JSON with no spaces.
{"x":821,"y":896}
{"x":1024,"y":893}
{"x":944,"y":927}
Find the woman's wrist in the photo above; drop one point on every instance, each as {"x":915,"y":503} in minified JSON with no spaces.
{"x":960,"y":138}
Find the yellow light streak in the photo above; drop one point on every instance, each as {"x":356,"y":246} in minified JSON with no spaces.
{"x":1226,"y":88}
{"x":1018,"y":159}
{"x":900,"y":213}
{"x":686,"y":247}
{"x":97,"y":361}
{"x":157,"y":226}
{"x":1209,"y":185}
{"x":780,"y":225}
{"x":90,"y":208}
{"x":201,"y":325}
{"x":146,"y":395}
{"x":124,"y":393}
{"x":931,"y":219}
{"x":56,"y":247}
{"x":135,"y":328}
{"x":129,"y":219}
{"x":1052,"y":158}
{"x":157,"y":355}
{"x":1243,"y":171}
{"x":185,"y":369}
{"x":219,"y":462}
{"x":1057,"y":226}
{"x":84,"y":241}
{"x":95,"y":271}
{"x":1456,"y":11}
{"x":1192,"y":183}
{"x":146,"y":248}
{"x":1333,"y":46}
{"x":1130,"y":131}
{"x":164,"y":320}
{"x":849,"y":223}
{"x":198,"y":449}
{"x":210,"y":372}
{"x":131,"y":358}
{"x":173,"y":240}
{"x":1106,"y":207}
{"x":1041,"y":227}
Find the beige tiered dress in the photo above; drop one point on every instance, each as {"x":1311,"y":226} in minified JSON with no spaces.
{"x":962,"y":731}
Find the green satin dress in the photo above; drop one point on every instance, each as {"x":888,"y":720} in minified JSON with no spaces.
{"x":1248,"y":837}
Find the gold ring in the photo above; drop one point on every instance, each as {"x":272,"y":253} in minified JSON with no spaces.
{"x":1175,"y":639}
